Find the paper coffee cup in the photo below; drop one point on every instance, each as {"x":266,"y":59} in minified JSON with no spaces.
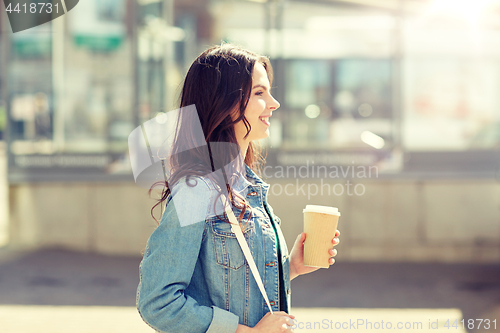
{"x":320,"y":224}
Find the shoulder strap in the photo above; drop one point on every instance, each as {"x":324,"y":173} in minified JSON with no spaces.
{"x":235,"y":227}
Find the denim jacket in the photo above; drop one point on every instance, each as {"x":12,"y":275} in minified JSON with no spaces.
{"x":195,"y":278}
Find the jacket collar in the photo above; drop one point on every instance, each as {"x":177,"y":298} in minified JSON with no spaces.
{"x":250,"y":179}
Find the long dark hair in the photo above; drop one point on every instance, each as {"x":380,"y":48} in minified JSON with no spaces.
{"x":218,"y":83}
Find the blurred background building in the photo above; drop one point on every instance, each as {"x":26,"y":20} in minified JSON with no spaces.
{"x":407,"y":87}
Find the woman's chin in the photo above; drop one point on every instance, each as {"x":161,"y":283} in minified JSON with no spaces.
{"x":265,"y":134}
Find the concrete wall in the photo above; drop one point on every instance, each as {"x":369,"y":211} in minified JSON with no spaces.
{"x":105,"y":218}
{"x":444,"y":221}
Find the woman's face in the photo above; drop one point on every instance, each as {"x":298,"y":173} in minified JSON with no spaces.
{"x":260,"y":107}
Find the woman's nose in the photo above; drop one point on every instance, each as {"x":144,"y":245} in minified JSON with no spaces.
{"x":274,"y":104}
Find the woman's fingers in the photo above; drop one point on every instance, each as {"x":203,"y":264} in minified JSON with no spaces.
{"x":275,"y":322}
{"x":335,"y":239}
{"x":283,"y":313}
{"x":288,"y":320}
{"x":333,"y":253}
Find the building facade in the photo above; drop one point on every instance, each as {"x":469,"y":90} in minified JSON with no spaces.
{"x":388,"y":111}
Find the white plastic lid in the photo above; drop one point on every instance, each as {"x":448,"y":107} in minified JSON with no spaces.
{"x":321,"y":209}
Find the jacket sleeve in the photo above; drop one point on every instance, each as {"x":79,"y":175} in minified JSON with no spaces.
{"x":168,"y":265}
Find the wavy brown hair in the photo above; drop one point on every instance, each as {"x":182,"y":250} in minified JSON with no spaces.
{"x":218,"y":83}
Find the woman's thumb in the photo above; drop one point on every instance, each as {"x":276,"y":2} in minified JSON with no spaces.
{"x":300,"y":238}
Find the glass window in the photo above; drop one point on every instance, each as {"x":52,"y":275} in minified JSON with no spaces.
{"x":80,"y":84}
{"x":450,"y":105}
{"x":98,"y":74}
{"x":352,"y":81}
{"x":331,"y":103}
{"x":306,"y":110}
{"x":30,"y":97}
{"x":309,"y":82}
{"x":71,"y":96}
{"x":362,"y":104}
{"x":333,"y":77}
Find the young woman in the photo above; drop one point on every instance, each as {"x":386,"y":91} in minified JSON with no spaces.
{"x":194,"y":276}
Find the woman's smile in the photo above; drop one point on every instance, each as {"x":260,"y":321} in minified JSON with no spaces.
{"x":265,"y":120}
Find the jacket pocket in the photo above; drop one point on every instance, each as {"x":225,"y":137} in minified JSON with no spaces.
{"x":228,"y":252}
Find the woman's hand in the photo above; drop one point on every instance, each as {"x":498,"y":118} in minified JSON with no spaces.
{"x":297,"y":256}
{"x":278,"y":322}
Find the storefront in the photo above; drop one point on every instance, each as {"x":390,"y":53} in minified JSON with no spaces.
{"x":408,"y":87}
{"x":366,"y":84}
{"x":77,"y":86}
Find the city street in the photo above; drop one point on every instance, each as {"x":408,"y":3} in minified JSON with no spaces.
{"x":385,"y":113}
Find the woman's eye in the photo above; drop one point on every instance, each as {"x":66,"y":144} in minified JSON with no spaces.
{"x":259,"y":93}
